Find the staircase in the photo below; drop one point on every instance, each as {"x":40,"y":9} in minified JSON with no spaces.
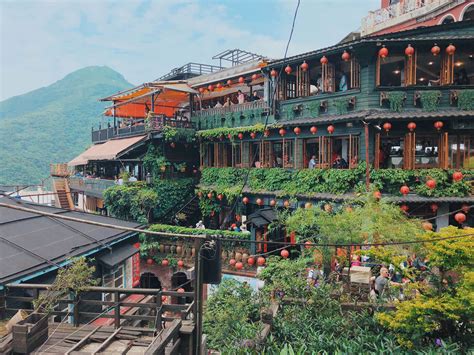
{"x":63,"y":198}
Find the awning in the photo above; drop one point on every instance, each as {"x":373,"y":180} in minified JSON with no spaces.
{"x":262,"y":217}
{"x":109,"y":150}
{"x":117,"y":255}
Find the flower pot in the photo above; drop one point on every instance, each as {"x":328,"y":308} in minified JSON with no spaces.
{"x":167,"y":249}
{"x":245,"y":256}
{"x":179,"y":250}
{"x":238,"y":256}
{"x":193,"y":252}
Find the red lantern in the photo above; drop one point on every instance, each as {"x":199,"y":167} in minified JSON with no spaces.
{"x":273,"y":203}
{"x":254,"y":77}
{"x":411,"y":126}
{"x":288,"y":69}
{"x":346,"y":56}
{"x":285,"y":253}
{"x":383,"y":52}
{"x":239,"y":265}
{"x":435,"y":50}
{"x":241,"y":80}
{"x":229,"y":82}
{"x":304,"y":66}
{"x":457,"y":176}
{"x":210,"y":87}
{"x":240,"y":135}
{"x":438,"y":125}
{"x":199,"y":194}
{"x":282,"y":132}
{"x":387,"y":126}
{"x":331,"y":129}
{"x":431,"y":184}
{"x":460,"y":217}
{"x":465,"y":208}
{"x":313,"y":130}
{"x":163,"y":298}
{"x":261,"y":261}
{"x":404,"y":208}
{"x":286,"y":203}
{"x":219,"y":86}
{"x":297,"y":130}
{"x":266,"y":133}
{"x":409,"y":51}
{"x":220,"y":197}
{"x":250,"y":261}
{"x":209,"y":195}
{"x":181,"y":290}
{"x":180,"y":263}
{"x":308,"y":205}
{"x":450,"y":49}
{"x":232,"y":262}
{"x":229,"y":136}
{"x":307,"y":244}
{"x":173,"y":145}
{"x":259,"y":201}
{"x":136,"y":245}
{"x":252,"y":135}
{"x":324,"y":60}
{"x":434,"y":207}
{"x":404,"y":190}
{"x":165,"y":262}
{"x":274,"y":73}
{"x":377,"y":195}
{"x":427,"y":226}
{"x":149,"y":261}
{"x":245,"y":200}
{"x":201,"y":90}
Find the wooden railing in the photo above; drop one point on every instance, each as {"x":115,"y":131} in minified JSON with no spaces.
{"x":89,"y":305}
{"x":94,"y":187}
{"x":59,"y":169}
{"x":246,"y":106}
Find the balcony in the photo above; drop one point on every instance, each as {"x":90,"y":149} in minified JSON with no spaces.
{"x":59,"y":170}
{"x":90,"y":186}
{"x":246,"y":114}
{"x":152,"y":124}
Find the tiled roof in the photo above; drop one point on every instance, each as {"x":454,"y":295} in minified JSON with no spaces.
{"x":325,"y":118}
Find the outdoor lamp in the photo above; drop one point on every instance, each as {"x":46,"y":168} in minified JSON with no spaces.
{"x":148,"y":179}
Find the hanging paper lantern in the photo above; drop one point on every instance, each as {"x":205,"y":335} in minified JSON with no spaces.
{"x":209,"y":195}
{"x":253,"y":135}
{"x":307,"y":244}
{"x":435,"y":50}
{"x":404,"y":190}
{"x":163,"y":298}
{"x":210,"y":87}
{"x":450,"y":49}
{"x":427,"y":226}
{"x":201,"y":90}
{"x":383,"y":52}
{"x":261,"y":261}
{"x":273,"y":203}
{"x":165,"y":262}
{"x":387,"y":126}
{"x":411,"y":126}
{"x":282,"y":132}
{"x":232,"y":262}
{"x":460,"y":217}
{"x":377,"y":195}
{"x":136,"y":245}
{"x":180,"y":263}
{"x":149,"y":261}
{"x":274,"y":73}
{"x":434,"y":207}
{"x":250,"y":261}
{"x":409,"y":51}
{"x":266,"y":133}
{"x":240,"y":135}
{"x":245,"y":200}
{"x":328,"y":208}
{"x":220,"y":197}
{"x":241,"y":80}
{"x":229,"y":136}
{"x":285,"y":253}
{"x":288,"y":69}
{"x":229,"y":82}
{"x":219,"y":86}
{"x":259,"y":201}
{"x":324,"y":60}
{"x":239,"y":265}
{"x":346,"y":56}
{"x":331,"y":129}
{"x":254,"y":77}
{"x":457,"y":176}
{"x":313,"y":130}
{"x":465,"y":208}
{"x":308,"y":205}
{"x":431,"y":184}
{"x":404,"y":208}
{"x":304,"y":66}
{"x":286,"y":203}
{"x":297,"y":130}
{"x":181,"y":290}
{"x":438,"y":125}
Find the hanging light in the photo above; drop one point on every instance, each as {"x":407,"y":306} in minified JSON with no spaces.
{"x":346,"y":56}
{"x":411,"y":126}
{"x":297,"y":130}
{"x":450,"y":49}
{"x":241,"y":80}
{"x":259,"y":201}
{"x":313,"y":130}
{"x":438,"y":125}
{"x":282,"y":132}
{"x":219,"y":86}
{"x":201,"y":90}
{"x":409,"y":51}
{"x":254,"y":77}
{"x":229,"y":82}
{"x":434,"y":207}
{"x":210,"y":87}
{"x":274,"y":73}
{"x":383,"y":52}
{"x":460,"y":217}
{"x":288,"y":69}
{"x":304,"y":66}
{"x":245,"y":200}
{"x":387,"y":126}
{"x":431,"y":184}
{"x":457,"y":176}
{"x":324,"y":60}
{"x":331,"y":129}
{"x":241,"y":136}
{"x":435,"y":50}
{"x":404,"y":190}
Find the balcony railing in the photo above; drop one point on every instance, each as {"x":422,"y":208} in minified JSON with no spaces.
{"x":246,"y":106}
{"x":59,"y":169}
{"x":154,"y":123}
{"x":91,"y":186}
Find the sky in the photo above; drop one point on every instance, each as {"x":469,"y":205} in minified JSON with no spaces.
{"x":41,"y":41}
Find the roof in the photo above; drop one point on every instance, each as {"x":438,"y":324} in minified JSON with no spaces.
{"x":325,"y":118}
{"x":31,"y":243}
{"x":109,"y":150}
{"x":419,"y":114}
{"x":117,"y":254}
{"x":262,"y":217}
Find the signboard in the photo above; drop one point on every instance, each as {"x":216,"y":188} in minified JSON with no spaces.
{"x":136,"y":270}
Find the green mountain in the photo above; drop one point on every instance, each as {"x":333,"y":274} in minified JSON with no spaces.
{"x":52,"y":124}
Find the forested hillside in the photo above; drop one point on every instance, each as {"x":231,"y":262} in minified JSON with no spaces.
{"x":52,"y":124}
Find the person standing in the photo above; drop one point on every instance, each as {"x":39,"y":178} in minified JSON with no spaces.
{"x":312,"y":162}
{"x":240,"y":97}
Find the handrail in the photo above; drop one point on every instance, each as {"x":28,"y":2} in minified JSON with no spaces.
{"x":233,"y":108}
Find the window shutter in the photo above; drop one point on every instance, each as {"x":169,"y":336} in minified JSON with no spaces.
{"x":409,"y":151}
{"x":443,"y":151}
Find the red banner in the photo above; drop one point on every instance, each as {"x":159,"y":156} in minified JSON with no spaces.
{"x":136,"y":270}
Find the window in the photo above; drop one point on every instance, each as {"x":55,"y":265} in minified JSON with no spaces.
{"x":463,"y":62}
{"x":207,"y":154}
{"x":391,"y":70}
{"x":461,"y":152}
{"x":237,"y":155}
{"x":428,"y":67}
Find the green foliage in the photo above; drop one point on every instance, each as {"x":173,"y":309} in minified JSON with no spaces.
{"x":171,"y":134}
{"x":288,"y":112}
{"x":396,"y":99}
{"x":231,"y":316}
{"x":232,"y":131}
{"x":194,"y":231}
{"x":312,"y":108}
{"x":340,"y":105}
{"x":466,"y":99}
{"x":430,"y":100}
{"x":74,"y":278}
{"x":52,"y":124}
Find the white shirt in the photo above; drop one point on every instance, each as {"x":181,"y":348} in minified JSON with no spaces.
{"x":312,"y":164}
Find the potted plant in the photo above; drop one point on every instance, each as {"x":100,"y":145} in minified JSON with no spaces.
{"x":181,"y":167}
{"x":162,"y":163}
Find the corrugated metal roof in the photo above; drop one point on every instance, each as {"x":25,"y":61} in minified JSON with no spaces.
{"x":387,"y":114}
{"x":325,"y":118}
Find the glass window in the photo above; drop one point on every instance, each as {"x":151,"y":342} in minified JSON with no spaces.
{"x":463,"y":67}
{"x":428,"y":68}
{"x":392,"y":71}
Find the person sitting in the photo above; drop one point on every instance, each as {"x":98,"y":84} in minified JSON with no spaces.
{"x":240,"y":97}
{"x":382,"y":282}
{"x":132,"y":179}
{"x":339,"y":163}
{"x":312,"y":162}
{"x":227,"y":102}
{"x":255,"y":97}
